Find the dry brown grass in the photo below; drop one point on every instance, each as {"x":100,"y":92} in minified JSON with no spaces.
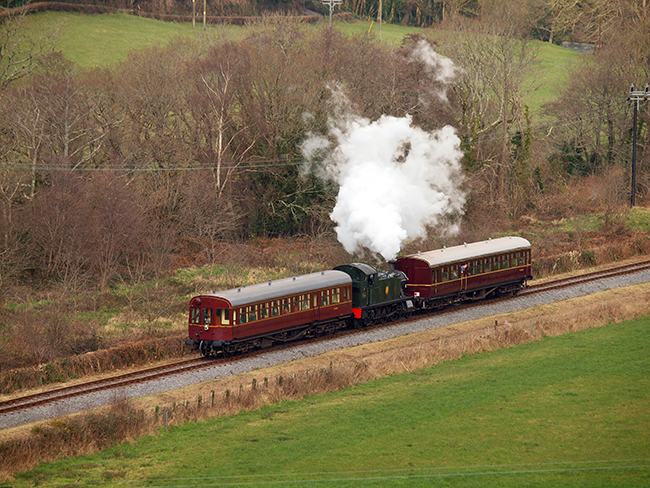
{"x":137,"y":353}
{"x":25,"y":447}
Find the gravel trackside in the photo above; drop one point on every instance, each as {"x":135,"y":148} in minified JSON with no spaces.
{"x":273,"y":358}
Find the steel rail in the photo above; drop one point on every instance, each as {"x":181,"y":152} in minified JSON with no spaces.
{"x":37,"y":399}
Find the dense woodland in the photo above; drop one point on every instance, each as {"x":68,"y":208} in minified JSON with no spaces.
{"x":118,"y":174}
{"x":199,"y":142}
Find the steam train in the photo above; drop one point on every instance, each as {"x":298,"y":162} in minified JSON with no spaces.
{"x":355,"y":295}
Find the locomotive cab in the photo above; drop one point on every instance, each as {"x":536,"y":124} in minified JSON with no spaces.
{"x":364,"y":279}
{"x":376,"y":295}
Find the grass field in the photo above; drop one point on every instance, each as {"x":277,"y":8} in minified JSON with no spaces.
{"x":104,"y":39}
{"x":549,"y":73}
{"x":563,"y":412}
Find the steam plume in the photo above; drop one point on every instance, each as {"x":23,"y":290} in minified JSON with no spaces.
{"x":394,"y":179}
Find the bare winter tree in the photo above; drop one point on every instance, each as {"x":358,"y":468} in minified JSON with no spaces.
{"x":494,"y":58}
{"x":563,"y":16}
{"x":22,"y":49}
{"x":70,"y":111}
{"x":220,"y":131}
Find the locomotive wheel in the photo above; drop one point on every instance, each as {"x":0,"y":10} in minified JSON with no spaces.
{"x":384,"y":317}
{"x":371,"y":317}
{"x":205,"y":350}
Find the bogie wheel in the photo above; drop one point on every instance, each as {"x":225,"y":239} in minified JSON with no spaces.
{"x":205,"y":350}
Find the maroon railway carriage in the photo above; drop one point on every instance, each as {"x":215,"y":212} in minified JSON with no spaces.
{"x":249,"y":317}
{"x":467,"y":272}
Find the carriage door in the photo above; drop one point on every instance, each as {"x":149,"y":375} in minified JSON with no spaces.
{"x":464,"y":274}
{"x":315,"y":305}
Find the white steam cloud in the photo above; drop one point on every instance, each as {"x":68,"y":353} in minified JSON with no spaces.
{"x":394,"y":179}
{"x":442,"y":68}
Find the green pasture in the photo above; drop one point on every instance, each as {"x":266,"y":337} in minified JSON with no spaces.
{"x":104,"y":39}
{"x":561,"y":412}
{"x":549,"y":73}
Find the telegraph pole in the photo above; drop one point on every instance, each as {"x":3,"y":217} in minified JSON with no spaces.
{"x":332,"y":4}
{"x":636,"y":97}
{"x":379,"y":16}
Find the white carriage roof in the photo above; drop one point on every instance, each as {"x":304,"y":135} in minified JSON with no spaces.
{"x":470,"y":251}
{"x":275,"y":289}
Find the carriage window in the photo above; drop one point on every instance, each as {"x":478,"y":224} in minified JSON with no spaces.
{"x":445,"y":276}
{"x":346,"y":294}
{"x":225,"y":316}
{"x":286,"y":305}
{"x":324,"y":298}
{"x":275,"y":308}
{"x":454,"y":273}
{"x":336,"y":295}
{"x":305,"y":301}
{"x":243,"y":316}
{"x":252,"y":314}
{"x":264,"y":310}
{"x":195,"y":315}
{"x":207,"y":316}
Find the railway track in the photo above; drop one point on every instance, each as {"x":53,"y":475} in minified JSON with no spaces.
{"x":62,"y":393}
{"x":587,"y":277}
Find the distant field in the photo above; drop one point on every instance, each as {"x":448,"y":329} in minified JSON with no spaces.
{"x":550,"y":72}
{"x":105,"y":39}
{"x":563,"y":412}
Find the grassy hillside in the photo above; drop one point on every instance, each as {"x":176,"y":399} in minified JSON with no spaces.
{"x":101,"y":40}
{"x":550,"y":72}
{"x":568,"y":411}
{"x":105,"y":39}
